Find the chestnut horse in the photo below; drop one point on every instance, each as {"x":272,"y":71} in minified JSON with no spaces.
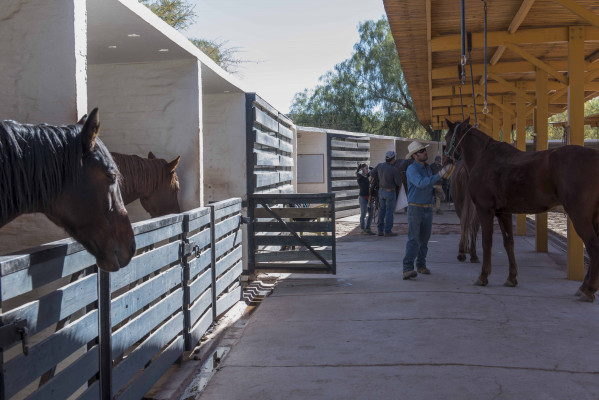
{"x":504,"y":180}
{"x":151,"y":180}
{"x":66,"y":173}
{"x":464,"y":208}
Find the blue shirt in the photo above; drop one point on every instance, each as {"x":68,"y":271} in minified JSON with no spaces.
{"x":420,"y":183}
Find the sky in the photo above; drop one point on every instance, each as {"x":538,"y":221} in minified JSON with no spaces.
{"x":289,"y":43}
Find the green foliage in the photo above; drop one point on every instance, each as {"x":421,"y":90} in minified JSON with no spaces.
{"x":221,"y":55}
{"x":365,"y":93}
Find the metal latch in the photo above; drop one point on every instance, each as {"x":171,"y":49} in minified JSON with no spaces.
{"x":246,"y":220}
{"x":13,"y":332}
{"x":190,"y":248}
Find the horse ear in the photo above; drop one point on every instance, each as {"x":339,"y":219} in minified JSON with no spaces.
{"x":467,"y":120}
{"x":449,"y":124}
{"x":90,"y":131}
{"x":82,"y":120}
{"x":151,"y":156}
{"x":172,"y":166}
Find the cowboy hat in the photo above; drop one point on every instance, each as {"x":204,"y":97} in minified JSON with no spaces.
{"x":414,"y":147}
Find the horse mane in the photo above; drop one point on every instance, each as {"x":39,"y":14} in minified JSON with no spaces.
{"x":143,"y":175}
{"x":36,"y":162}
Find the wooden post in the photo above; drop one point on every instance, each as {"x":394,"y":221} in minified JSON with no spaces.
{"x":541,"y":116}
{"x":520,"y":145}
{"x":576,"y":136}
{"x":507,"y":122}
{"x":496,"y":123}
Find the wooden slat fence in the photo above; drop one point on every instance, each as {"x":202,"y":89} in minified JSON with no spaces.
{"x":345,"y":153}
{"x":105,"y":335}
{"x":270,"y":142}
{"x":292,"y":239}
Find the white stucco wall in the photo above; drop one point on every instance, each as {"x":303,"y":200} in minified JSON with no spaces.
{"x":224,"y":148}
{"x":152,"y":107}
{"x":312,"y":143}
{"x":378,"y":148}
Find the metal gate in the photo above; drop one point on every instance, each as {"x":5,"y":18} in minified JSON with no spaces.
{"x":291,"y":233}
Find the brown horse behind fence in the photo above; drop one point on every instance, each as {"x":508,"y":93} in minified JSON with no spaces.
{"x":504,"y":180}
{"x":151,"y":180}
{"x":464,"y":208}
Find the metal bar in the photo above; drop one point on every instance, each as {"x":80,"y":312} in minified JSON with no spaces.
{"x":213,"y":262}
{"x":188,"y":346}
{"x":334,"y":248}
{"x":249,"y":140}
{"x":298,"y":237}
{"x":104,"y":335}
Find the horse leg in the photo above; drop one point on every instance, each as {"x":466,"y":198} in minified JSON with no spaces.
{"x":505,"y":223}
{"x":474,"y":226}
{"x":463,"y":239}
{"x":588,"y":232}
{"x":486,"y":223}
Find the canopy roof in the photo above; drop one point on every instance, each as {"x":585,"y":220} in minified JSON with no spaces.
{"x":523,"y":35}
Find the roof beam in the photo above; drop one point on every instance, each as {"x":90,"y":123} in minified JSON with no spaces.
{"x":579,"y":10}
{"x":541,"y":64}
{"x":429,"y":54}
{"x":512,"y":88}
{"x":493,"y":87}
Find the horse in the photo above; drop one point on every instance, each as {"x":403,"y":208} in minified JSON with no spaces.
{"x":464,"y":208}
{"x":504,"y":180}
{"x":66,"y":173}
{"x":151,"y":180}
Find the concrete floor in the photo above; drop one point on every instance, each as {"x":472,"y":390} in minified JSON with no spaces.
{"x":367,"y":334}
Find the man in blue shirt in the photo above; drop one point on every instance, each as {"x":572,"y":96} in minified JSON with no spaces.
{"x":421,"y":199}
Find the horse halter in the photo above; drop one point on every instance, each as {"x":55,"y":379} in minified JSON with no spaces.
{"x":453,"y":147}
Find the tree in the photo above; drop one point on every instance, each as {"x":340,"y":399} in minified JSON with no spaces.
{"x":180,"y":14}
{"x":365,"y":93}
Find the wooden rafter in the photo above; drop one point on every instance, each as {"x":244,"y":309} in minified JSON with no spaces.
{"x":579,"y":10}
{"x":541,"y":64}
{"x":512,"y":88}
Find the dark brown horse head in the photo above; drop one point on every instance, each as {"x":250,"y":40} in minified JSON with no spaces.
{"x":164,"y":198}
{"x":91,"y":208}
{"x":453,"y":138}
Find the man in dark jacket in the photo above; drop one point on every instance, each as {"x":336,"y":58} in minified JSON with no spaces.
{"x":389,"y":179}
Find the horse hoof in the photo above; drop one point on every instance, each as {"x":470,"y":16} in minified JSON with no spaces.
{"x":578,"y":293}
{"x":509,"y":283}
{"x":461,"y":257}
{"x":474,"y":260}
{"x":479,"y":282}
{"x":586,"y":297}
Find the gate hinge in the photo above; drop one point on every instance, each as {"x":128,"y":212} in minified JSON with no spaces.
{"x":13,"y":332}
{"x":189,"y":248}
{"x":246,"y":220}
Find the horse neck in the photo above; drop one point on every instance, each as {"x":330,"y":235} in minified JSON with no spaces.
{"x":36,"y":163}
{"x":472,"y":147}
{"x":140,"y":176}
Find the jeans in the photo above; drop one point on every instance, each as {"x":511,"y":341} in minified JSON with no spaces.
{"x":386,"y":208}
{"x":364,"y":207}
{"x":420,"y":225}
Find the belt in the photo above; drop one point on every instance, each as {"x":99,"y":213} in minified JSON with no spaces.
{"x":388,"y":190}
{"x":420,"y":205}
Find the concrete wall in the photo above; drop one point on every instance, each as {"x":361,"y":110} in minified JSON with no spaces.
{"x":312,"y":143}
{"x":43,"y":47}
{"x":152,"y":107}
{"x":224,"y":149}
{"x":378,"y":148}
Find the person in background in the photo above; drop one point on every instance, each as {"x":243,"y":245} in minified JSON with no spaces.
{"x":389,"y":179}
{"x":420,"y":209}
{"x":438,"y":186}
{"x":363,"y":175}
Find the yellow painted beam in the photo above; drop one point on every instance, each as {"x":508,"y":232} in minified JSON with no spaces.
{"x":506,"y":128}
{"x":576,"y":136}
{"x":513,"y":88}
{"x":541,"y":64}
{"x":520,"y":145}
{"x":579,"y":10}
{"x":429,"y":54}
{"x":494,"y":87}
{"x":541,"y":116}
{"x":496,"y":123}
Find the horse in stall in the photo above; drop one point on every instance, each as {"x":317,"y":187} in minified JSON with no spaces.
{"x":66,"y":173}
{"x":151,"y":180}
{"x":464,"y":208}
{"x":504,"y":180}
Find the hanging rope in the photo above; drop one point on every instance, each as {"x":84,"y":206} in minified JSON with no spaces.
{"x":460,"y":70}
{"x":472,"y":78}
{"x":463,"y":59}
{"x":485,"y":108}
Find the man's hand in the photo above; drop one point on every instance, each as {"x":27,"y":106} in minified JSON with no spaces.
{"x":446,"y":171}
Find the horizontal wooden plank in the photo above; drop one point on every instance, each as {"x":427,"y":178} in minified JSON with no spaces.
{"x":304,"y":226}
{"x":285,"y":131}
{"x":351,"y":164}
{"x":286,"y":146}
{"x":293,"y":198}
{"x":280,"y":189}
{"x":154,"y":371}
{"x":262,"y":179}
{"x":157,"y":235}
{"x":285,"y":161}
{"x":294,"y":213}
{"x":231,"y":276}
{"x":92,"y":392}
{"x":22,"y":369}
{"x":227,"y":226}
{"x":364,"y":146}
{"x":200,"y":306}
{"x":229,"y":209}
{"x":293,"y":255}
{"x":227,"y":301}
{"x":343,"y":145}
{"x":344,"y":183}
{"x":197,"y":212}
{"x":140,"y":296}
{"x":280,"y":240}
{"x":55,"y":306}
{"x":360,"y":156}
{"x":201,"y":326}
{"x":263,"y":158}
{"x":199,"y":264}
{"x":200,"y":285}
{"x":343,"y":173}
{"x":259,"y":102}
{"x":266,"y":121}
{"x":292,"y":268}
{"x":144,"y":264}
{"x":200,"y":223}
{"x":346,"y":196}
{"x":266,"y":139}
{"x":138,"y":358}
{"x":226,"y":243}
{"x":228,"y":261}
{"x":341,"y":194}
{"x":156,"y":223}
{"x":40,"y":274}
{"x":67,"y":381}
{"x":153,"y":317}
{"x":201,"y":238}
